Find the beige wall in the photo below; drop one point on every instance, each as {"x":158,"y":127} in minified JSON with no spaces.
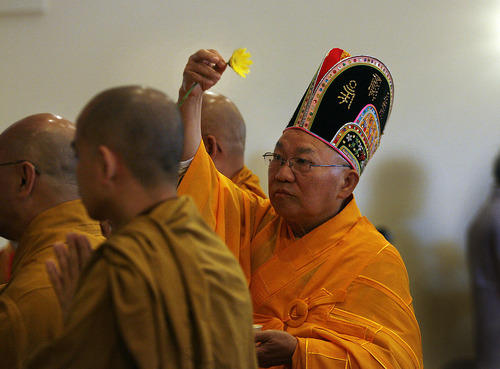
{"x":432,"y":170}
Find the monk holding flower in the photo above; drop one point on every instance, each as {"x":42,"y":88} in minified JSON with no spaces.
{"x":328,"y":288}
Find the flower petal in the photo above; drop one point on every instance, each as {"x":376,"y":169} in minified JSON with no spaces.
{"x":240,"y":62}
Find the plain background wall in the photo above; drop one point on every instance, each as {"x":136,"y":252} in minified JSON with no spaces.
{"x":426,"y":181}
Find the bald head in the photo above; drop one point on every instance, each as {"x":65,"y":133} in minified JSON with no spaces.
{"x":141,"y":124}
{"x":222,"y":119}
{"x":38,"y":170}
{"x":45,"y":140}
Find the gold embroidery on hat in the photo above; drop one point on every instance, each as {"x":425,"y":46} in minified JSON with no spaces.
{"x":374,"y":86}
{"x":347,"y":97}
{"x":344,"y":55}
{"x":385,"y":104}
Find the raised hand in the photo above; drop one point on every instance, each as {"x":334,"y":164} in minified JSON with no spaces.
{"x":204,"y":68}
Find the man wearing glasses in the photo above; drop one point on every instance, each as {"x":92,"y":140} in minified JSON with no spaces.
{"x":39,"y":206}
{"x":328,"y":289}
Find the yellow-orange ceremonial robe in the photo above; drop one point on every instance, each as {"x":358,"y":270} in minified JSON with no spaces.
{"x":342,"y":289}
{"x":162,"y":292}
{"x":246,"y":180}
{"x":30,"y":314}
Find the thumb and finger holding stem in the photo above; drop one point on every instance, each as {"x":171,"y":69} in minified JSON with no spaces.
{"x":208,"y":66}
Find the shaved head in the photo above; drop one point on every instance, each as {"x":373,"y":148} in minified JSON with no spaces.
{"x":26,"y":190}
{"x":45,"y":140}
{"x":222,"y":119}
{"x":142,"y":125}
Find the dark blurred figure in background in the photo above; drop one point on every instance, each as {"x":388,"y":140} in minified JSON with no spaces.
{"x":484,"y":260}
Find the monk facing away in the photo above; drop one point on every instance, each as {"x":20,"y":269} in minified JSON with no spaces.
{"x":328,"y":288}
{"x":163,"y":291}
{"x":223,"y":130}
{"x":39,"y":206}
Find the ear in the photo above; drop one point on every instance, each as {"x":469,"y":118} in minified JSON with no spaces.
{"x":350,"y":180}
{"x":27,"y":180}
{"x":109,"y":160}
{"x":211,"y":145}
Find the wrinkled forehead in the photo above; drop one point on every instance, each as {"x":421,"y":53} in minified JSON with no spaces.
{"x":296,"y":142}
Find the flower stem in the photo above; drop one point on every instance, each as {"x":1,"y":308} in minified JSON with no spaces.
{"x":186,"y":95}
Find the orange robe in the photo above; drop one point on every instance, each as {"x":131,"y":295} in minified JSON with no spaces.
{"x":30,"y":314}
{"x":342,"y":289}
{"x":246,"y":180}
{"x":162,"y":292}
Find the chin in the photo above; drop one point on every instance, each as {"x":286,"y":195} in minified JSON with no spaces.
{"x":285,"y":209}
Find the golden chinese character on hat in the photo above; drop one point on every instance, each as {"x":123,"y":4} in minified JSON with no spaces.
{"x":347,"y":105}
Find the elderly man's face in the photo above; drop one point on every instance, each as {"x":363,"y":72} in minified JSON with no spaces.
{"x":306,"y":200}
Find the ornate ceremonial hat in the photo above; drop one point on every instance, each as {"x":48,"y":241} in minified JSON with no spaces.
{"x":347,"y":105}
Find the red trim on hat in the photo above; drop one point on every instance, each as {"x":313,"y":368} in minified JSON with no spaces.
{"x":328,"y":143}
{"x":331,"y":59}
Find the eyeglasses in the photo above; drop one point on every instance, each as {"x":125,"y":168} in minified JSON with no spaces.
{"x":275,"y":161}
{"x":19,"y":162}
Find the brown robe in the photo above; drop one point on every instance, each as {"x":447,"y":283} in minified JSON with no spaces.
{"x":30,"y":314}
{"x":163,"y":292}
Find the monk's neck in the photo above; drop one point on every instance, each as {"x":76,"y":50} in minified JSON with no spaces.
{"x":136,"y":203}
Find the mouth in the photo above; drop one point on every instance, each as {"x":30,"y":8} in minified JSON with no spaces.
{"x":282,"y":193}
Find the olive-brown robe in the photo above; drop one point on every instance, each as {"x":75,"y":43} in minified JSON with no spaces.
{"x":30,"y":314}
{"x":162,"y":292}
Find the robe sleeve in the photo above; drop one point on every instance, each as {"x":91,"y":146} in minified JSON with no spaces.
{"x":235,"y":215}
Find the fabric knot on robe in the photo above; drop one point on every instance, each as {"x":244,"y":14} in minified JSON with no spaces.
{"x":297,"y":309}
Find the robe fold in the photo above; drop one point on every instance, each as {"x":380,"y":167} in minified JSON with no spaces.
{"x":30,"y":314}
{"x":342,"y":289}
{"x":162,"y":292}
{"x":247,"y":180}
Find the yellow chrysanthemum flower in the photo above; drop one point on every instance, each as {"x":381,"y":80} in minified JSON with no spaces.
{"x":240,"y":62}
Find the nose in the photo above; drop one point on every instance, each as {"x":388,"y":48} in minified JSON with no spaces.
{"x":285,"y":173}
